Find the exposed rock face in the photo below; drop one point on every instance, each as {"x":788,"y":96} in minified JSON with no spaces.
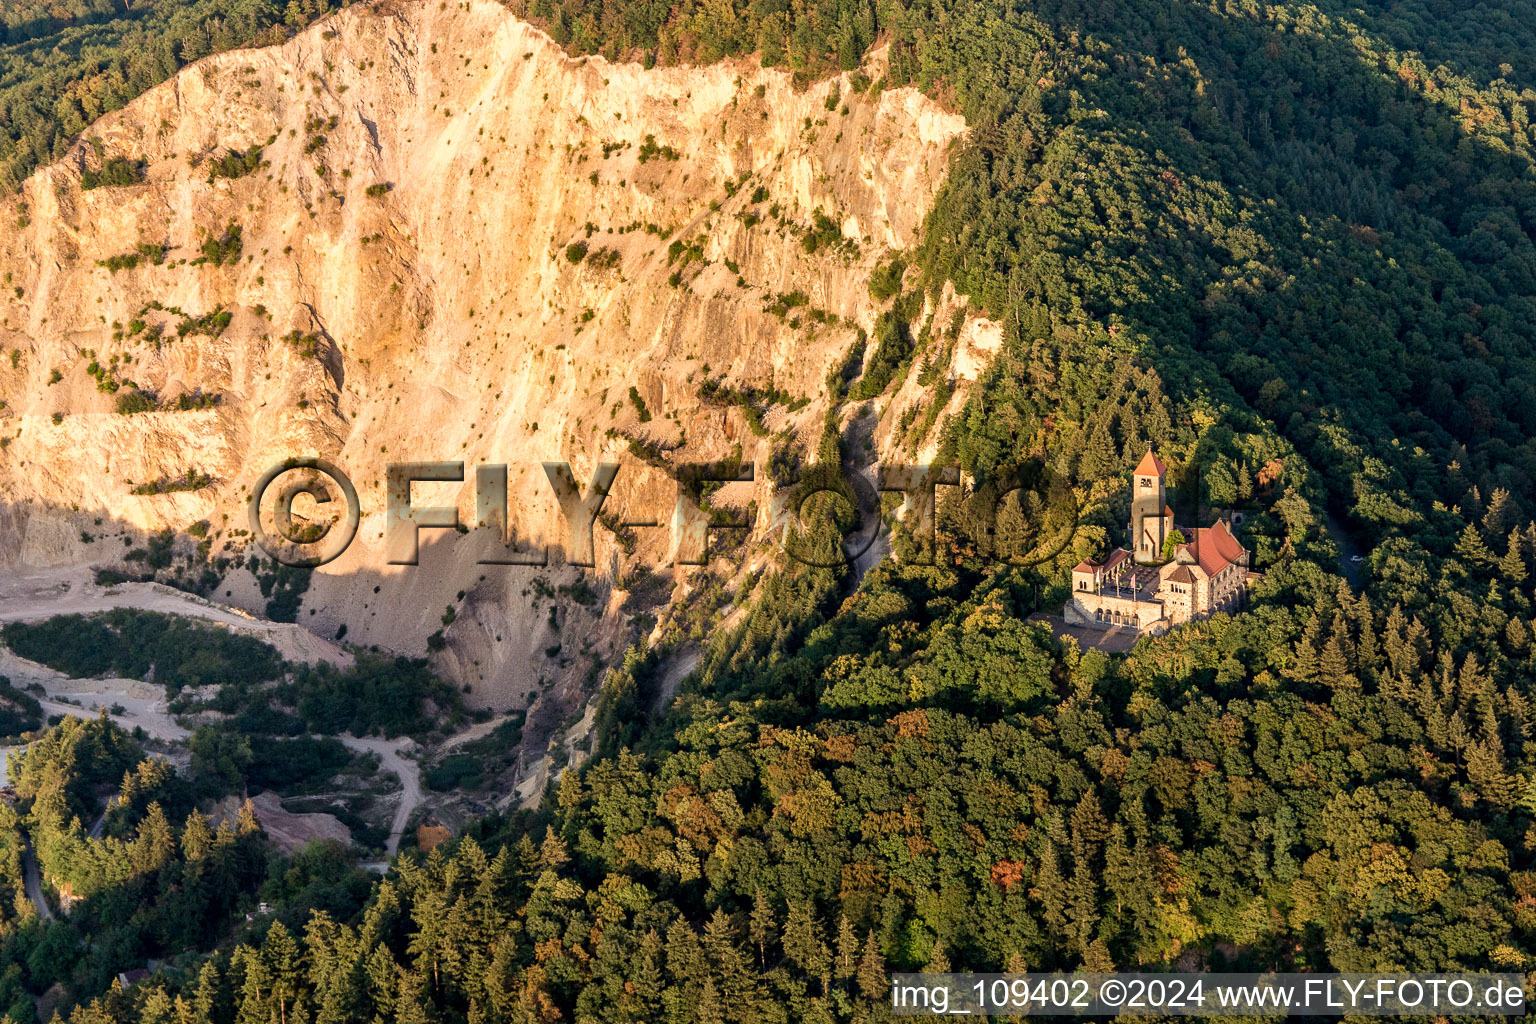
{"x":289,"y":830}
{"x":406,"y":289}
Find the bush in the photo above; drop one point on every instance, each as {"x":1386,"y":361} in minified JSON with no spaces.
{"x":378,"y":694}
{"x":576,"y":252}
{"x":117,"y":172}
{"x":306,"y":346}
{"x":639,"y":404}
{"x":144,"y":251}
{"x":603,"y":259}
{"x":457,"y":771}
{"x":193,"y":481}
{"x":286,"y":765}
{"x":649,"y":150}
{"x":236,"y":163}
{"x":885,"y":282}
{"x":19,"y":712}
{"x":210,"y":324}
{"x":136,"y":401}
{"x":823,"y":234}
{"x":224,"y":250}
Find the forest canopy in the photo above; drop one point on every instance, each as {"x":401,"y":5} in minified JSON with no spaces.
{"x":1287,"y":244}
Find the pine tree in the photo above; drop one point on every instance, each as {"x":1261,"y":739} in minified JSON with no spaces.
{"x":1512,"y":567}
{"x":1364,"y":627}
{"x":1051,"y":890}
{"x":196,"y":837}
{"x":322,"y":937}
{"x":383,"y":990}
{"x":155,"y":844}
{"x":1485,"y":771}
{"x":429,"y":912}
{"x":762,"y":928}
{"x":1096,"y":958}
{"x":1498,"y":512}
{"x":685,"y":957}
{"x":730,"y":966}
{"x":710,"y":1010}
{"x":1471,"y":549}
{"x":1084,"y":902}
{"x":256,"y":982}
{"x":1305,"y":665}
{"x":871,"y":973}
{"x":552,"y":852}
{"x":847,"y":949}
{"x":528,"y":865}
{"x":247,"y":823}
{"x":280,"y":952}
{"x":647,"y":977}
{"x":1517,"y":635}
{"x":938,"y":961}
{"x":1333,"y":664}
{"x":803,"y":943}
{"x":1394,"y":641}
{"x":207,"y":998}
{"x":409,"y":1008}
{"x":156,"y":1007}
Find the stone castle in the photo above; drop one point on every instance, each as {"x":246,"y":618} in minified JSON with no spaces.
{"x":1170,"y":574}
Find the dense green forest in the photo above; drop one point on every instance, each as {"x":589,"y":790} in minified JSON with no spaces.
{"x":154,"y":878}
{"x":245,"y":678}
{"x":64,"y":63}
{"x":1288,"y":244}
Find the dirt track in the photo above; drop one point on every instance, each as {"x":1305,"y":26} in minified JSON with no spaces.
{"x":407,"y":771}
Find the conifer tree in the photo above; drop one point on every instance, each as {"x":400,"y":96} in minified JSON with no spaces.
{"x":196,"y":837}
{"x":871,"y":973}
{"x":1512,"y":566}
{"x":280,"y":953}
{"x":207,"y":998}
{"x":847,"y":949}
{"x":762,"y":926}
{"x":803,"y":943}
{"x":1471,"y":549}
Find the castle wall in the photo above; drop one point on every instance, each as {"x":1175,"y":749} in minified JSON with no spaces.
{"x":1101,"y":612}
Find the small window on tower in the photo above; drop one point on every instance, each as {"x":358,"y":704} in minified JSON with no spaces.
{"x":1145,"y":482}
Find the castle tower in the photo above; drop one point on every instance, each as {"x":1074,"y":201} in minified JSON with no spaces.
{"x":1151,"y":518}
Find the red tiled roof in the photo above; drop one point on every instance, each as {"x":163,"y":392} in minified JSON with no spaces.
{"x":1215,"y":548}
{"x":1181,"y":575}
{"x":1150,"y":465}
{"x":1085,"y":566}
{"x":1115,"y":558}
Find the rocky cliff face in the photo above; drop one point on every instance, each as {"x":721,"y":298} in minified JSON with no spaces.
{"x":450,"y":242}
